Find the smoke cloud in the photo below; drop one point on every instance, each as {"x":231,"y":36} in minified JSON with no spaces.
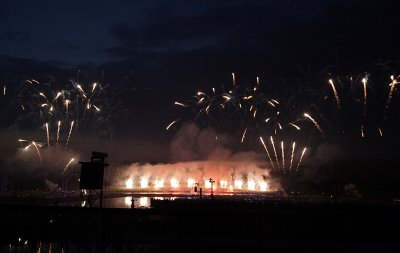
{"x":199,"y":155}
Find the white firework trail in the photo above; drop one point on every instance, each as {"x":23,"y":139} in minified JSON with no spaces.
{"x":58,"y":130}
{"x":69,"y":134}
{"x":292,"y":156}
{"x":276,"y":155}
{"x":301,"y":158}
{"x":335,"y":93}
{"x":68,"y":164}
{"x":283,"y":156}
{"x":244,"y":135}
{"x":266,"y":150}
{"x":38,"y":152}
{"x":314,"y":122}
{"x":295,"y":126}
{"x":364,"y":81}
{"x":171,"y":124}
{"x":47,"y":134}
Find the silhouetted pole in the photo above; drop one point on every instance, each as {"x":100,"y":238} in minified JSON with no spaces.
{"x":212,"y":187}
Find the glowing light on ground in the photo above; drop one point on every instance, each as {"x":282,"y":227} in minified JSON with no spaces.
{"x":159,"y":183}
{"x":174,"y":183}
{"x":251,"y":185}
{"x":129,"y":183}
{"x":144,"y":183}
{"x":144,"y":201}
{"x":238,"y":184}
{"x":223,"y":184}
{"x":264,"y":186}
{"x":191,"y":182}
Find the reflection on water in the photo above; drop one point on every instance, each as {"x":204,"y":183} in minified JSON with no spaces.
{"x":122,"y":202}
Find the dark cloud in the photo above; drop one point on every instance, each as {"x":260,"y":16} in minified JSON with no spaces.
{"x":289,"y":31}
{"x":14,"y":36}
{"x":63,"y":46}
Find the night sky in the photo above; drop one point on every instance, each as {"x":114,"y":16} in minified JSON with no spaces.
{"x":156,"y":52}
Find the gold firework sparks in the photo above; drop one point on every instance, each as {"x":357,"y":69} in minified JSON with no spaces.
{"x":227,"y":98}
{"x":94,"y":87}
{"x":171,"y":124}
{"x":295,"y":126}
{"x":276,"y":155}
{"x":41,"y":94}
{"x":38,"y":152}
{"x":47,"y":134}
{"x":80,"y":88}
{"x":292,"y":156}
{"x":58,"y":95}
{"x":283,"y":156}
{"x":301,"y":158}
{"x":380,"y":131}
{"x":335,"y":93}
{"x":95,"y":107}
{"x":275,"y":101}
{"x":314,"y":122}
{"x":58,"y":130}
{"x":364,"y":81}
{"x":244,"y":135}
{"x":68,"y":164}
{"x":180,"y":104}
{"x":362,"y":131}
{"x":392,"y":86}
{"x":266,"y":150}
{"x":233,"y":79}
{"x":69,"y":134}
